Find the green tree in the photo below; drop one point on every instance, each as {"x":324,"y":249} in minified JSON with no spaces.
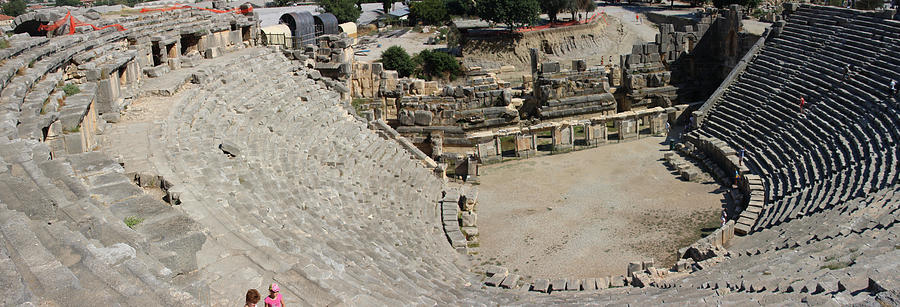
{"x":437,"y":64}
{"x":14,"y":8}
{"x":586,"y":6}
{"x":430,"y":12}
{"x":68,"y":3}
{"x":396,"y":58}
{"x":344,"y":10}
{"x":554,"y":7}
{"x":746,"y":4}
{"x":460,"y":7}
{"x":513,"y":13}
{"x":386,"y":5}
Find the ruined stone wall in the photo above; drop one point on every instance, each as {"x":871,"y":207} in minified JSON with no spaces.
{"x":684,"y":63}
{"x":577,"y":91}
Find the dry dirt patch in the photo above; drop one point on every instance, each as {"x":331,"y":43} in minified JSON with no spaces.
{"x":588,"y":213}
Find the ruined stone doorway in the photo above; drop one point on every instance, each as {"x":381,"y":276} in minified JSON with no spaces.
{"x":190,"y":42}
{"x":157,"y":54}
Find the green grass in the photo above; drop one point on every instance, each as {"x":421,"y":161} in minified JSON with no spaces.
{"x":73,"y":130}
{"x":133,"y":221}
{"x":508,"y":142}
{"x":4,"y":44}
{"x":71,"y":89}
{"x":358,"y":103}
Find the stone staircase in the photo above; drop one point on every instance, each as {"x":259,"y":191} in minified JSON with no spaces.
{"x":842,"y":145}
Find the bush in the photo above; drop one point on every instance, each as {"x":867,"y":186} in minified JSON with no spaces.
{"x":344,"y":10}
{"x":71,"y":89}
{"x":430,"y":12}
{"x":68,"y":3}
{"x":437,"y":64}
{"x":396,"y":58}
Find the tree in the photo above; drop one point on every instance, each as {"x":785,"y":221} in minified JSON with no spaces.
{"x":460,"y":7}
{"x":586,"y":6}
{"x":386,"y":5}
{"x":430,"y":12}
{"x":344,"y":10}
{"x":513,"y":13}
{"x":396,"y":58}
{"x":554,"y":7}
{"x":14,"y":8}
{"x":68,"y":3}
{"x":437,"y":64}
{"x":746,"y":4}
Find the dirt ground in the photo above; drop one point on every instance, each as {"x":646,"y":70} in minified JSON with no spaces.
{"x":588,"y":213}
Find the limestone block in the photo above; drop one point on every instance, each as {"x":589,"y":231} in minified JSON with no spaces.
{"x":549,"y":67}
{"x":423,"y":117}
{"x":541,"y":285}
{"x":633,"y":267}
{"x":641,"y":280}
{"x":230,"y":148}
{"x":469,"y":219}
{"x":406,"y":119}
{"x":469,"y":232}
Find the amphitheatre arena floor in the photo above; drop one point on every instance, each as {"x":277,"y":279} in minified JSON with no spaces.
{"x":588,"y":213}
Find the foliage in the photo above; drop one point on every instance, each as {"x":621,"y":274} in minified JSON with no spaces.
{"x":344,"y":10}
{"x":513,"y":13}
{"x":68,"y":3}
{"x":437,"y":64}
{"x":386,"y":5}
{"x":460,"y":7}
{"x":4,"y":43}
{"x":746,"y":4}
{"x":586,"y":6}
{"x":432,"y":12}
{"x":133,"y":221}
{"x":70,"y":89}
{"x":868,"y":4}
{"x":14,"y":8}
{"x":554,"y":7}
{"x":396,"y":58}
{"x":283,"y":2}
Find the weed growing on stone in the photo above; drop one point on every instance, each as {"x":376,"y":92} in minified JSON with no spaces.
{"x":71,"y":89}
{"x":133,"y":221}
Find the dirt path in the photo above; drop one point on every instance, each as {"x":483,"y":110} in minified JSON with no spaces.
{"x":588,"y":213}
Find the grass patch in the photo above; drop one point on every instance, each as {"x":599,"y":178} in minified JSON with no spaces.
{"x":358,"y":103}
{"x":71,"y":89}
{"x":4,"y":44}
{"x":133,"y":221}
{"x":73,"y":130}
{"x":31,"y":64}
{"x":508,"y":142}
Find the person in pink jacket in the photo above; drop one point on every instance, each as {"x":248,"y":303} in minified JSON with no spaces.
{"x":274,"y":299}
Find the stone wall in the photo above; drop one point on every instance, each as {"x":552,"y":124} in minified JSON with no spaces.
{"x":684,"y":63}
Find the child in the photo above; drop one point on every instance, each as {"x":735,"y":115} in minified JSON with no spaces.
{"x":274,"y":299}
{"x":252,"y":298}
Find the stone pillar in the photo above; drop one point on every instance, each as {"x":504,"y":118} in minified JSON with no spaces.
{"x":437,"y":144}
{"x":571,"y":137}
{"x":589,"y":137}
{"x":555,"y":136}
{"x":523,"y":145}
{"x":498,"y":146}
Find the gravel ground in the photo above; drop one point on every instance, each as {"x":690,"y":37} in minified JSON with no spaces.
{"x":588,"y":213}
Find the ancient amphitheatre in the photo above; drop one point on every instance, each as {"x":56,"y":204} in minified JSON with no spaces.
{"x":185,"y":155}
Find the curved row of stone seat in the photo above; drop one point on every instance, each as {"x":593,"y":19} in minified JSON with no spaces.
{"x":847,"y":253}
{"x":309,"y":185}
{"x":843,"y":144}
{"x":65,"y":237}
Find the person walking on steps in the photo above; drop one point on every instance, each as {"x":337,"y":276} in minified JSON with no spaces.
{"x":724,"y":217}
{"x":274,"y":299}
{"x":894,"y":87}
{"x":802,"y":103}
{"x":847,"y":71}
